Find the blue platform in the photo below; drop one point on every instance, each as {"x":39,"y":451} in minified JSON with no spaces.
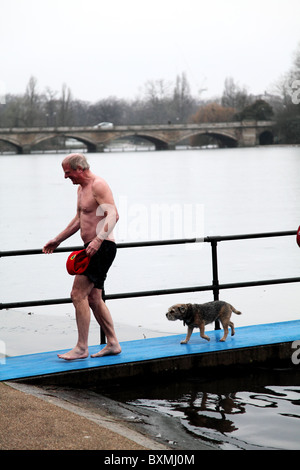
{"x":40,"y":364}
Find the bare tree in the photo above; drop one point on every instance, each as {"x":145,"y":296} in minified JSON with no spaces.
{"x":65,"y":107}
{"x":110,"y":109}
{"x":182,"y":99}
{"x":31,"y":103}
{"x":50,"y":107}
{"x":157,"y":101}
{"x":234,"y":96}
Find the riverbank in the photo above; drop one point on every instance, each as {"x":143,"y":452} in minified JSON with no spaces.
{"x":31,"y":420}
{"x":53,"y":418}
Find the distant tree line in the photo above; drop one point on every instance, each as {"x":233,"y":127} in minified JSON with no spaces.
{"x":161,"y":102}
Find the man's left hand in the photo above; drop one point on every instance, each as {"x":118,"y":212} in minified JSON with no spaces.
{"x":93,"y":247}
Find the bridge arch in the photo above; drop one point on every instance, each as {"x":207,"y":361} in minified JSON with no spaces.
{"x":13,"y":142}
{"x":159,"y":143}
{"x":224,"y":139}
{"x":91,"y":146}
{"x":266,"y":138}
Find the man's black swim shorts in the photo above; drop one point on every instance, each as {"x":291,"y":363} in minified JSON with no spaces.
{"x":100,"y":263}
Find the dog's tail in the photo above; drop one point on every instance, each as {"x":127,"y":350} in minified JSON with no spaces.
{"x":235,"y":311}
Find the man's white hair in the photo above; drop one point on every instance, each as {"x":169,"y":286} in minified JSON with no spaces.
{"x":77,"y":159}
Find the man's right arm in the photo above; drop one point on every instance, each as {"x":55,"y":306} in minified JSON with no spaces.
{"x":72,"y":228}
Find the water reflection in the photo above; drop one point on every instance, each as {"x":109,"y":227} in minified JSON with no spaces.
{"x":241,"y":411}
{"x":205,"y":410}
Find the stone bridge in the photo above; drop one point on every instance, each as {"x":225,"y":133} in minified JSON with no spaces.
{"x":228,"y":134}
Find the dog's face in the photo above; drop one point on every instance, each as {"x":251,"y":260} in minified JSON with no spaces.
{"x":177,"y":312}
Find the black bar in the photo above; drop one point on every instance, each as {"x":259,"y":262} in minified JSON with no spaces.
{"x":267,"y":282}
{"x":178,"y":241}
{"x":215,"y":280}
{"x":38,"y":251}
{"x":250,"y":235}
{"x":102,"y":334}
{"x":182,"y":290}
{"x":209,"y":239}
{"x":179,"y":290}
{"x":125,"y":295}
{"x":34,"y":303}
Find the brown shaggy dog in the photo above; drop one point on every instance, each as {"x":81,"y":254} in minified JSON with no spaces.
{"x":199,"y":315}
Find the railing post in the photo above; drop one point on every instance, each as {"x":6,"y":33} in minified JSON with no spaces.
{"x":102,"y":335}
{"x":215,"y":280}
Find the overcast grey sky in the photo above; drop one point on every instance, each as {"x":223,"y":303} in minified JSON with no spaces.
{"x":111,"y":48}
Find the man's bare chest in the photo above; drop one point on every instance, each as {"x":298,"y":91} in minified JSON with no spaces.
{"x":86,"y":201}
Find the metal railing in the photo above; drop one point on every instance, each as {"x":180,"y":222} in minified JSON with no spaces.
{"x":215,"y":286}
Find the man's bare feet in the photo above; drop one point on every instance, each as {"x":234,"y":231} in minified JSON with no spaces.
{"x":108,"y":350}
{"x":75,"y":353}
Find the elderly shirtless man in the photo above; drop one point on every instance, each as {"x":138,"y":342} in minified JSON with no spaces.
{"x":96,"y":217}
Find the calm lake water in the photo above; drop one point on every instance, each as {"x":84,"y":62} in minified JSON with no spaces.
{"x":176,"y":194}
{"x":231,"y":409}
